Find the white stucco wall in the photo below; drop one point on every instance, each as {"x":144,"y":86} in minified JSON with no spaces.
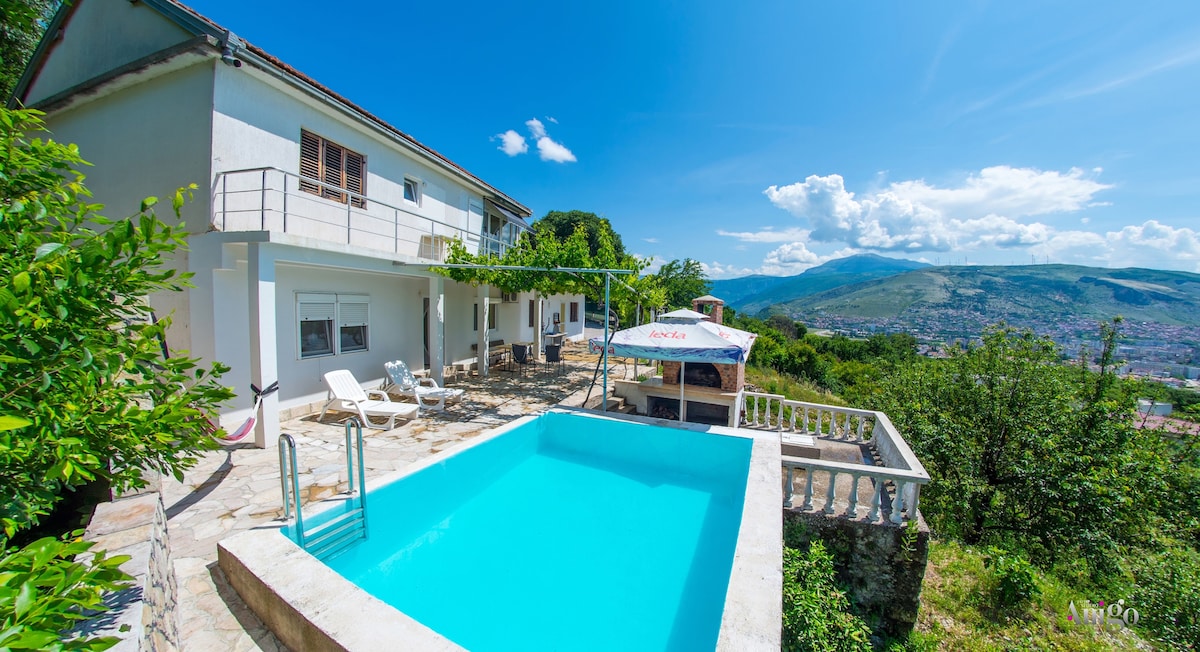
{"x":256,"y":123}
{"x":102,"y":35}
{"x":148,"y":140}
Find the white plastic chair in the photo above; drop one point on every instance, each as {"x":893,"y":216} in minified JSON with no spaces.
{"x":425,"y":391}
{"x":343,"y":387}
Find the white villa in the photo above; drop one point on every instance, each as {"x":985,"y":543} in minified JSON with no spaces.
{"x":313,"y":219}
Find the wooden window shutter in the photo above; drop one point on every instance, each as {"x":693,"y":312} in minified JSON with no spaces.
{"x":310,"y":161}
{"x":356,"y":176}
{"x":333,"y":165}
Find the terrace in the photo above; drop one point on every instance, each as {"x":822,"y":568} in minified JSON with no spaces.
{"x":270,"y":199}
{"x":864,"y":472}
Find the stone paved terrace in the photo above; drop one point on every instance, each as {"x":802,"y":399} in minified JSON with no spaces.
{"x":237,"y":488}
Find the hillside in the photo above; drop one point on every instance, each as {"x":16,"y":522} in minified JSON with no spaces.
{"x":751,"y":294}
{"x":970,"y":297}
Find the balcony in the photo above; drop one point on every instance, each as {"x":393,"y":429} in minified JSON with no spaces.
{"x":270,"y":199}
{"x":840,"y":461}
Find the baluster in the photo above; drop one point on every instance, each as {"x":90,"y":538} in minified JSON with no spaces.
{"x":787,"y":494}
{"x":780,"y":423}
{"x":807,"y":431}
{"x":876,"y":500}
{"x":793,"y":423}
{"x":820,"y":421}
{"x":829,"y":495}
{"x":861,"y":423}
{"x":912,"y":506}
{"x":898,"y":502}
{"x":808,"y":489}
{"x":853,"y":510}
{"x":755,"y":421}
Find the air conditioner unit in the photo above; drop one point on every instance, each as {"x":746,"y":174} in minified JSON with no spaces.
{"x":508,"y":297}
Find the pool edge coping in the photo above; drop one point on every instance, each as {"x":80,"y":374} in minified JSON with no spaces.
{"x":308,"y":605}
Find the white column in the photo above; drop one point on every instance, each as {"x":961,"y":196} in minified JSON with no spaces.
{"x":264,"y":365}
{"x":437,"y":328}
{"x":537,"y":323}
{"x":483,"y":299}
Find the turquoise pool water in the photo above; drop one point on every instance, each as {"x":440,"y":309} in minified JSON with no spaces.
{"x":567,"y":532}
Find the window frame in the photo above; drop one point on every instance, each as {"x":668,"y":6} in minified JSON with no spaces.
{"x":317,"y":153}
{"x":338,"y":316}
{"x":416,"y":184}
{"x":574,"y":309}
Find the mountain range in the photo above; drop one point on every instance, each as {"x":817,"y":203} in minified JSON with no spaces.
{"x":753,"y":294}
{"x":869,"y":287}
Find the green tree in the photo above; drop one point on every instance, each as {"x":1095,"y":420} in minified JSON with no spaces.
{"x":564,"y":224}
{"x":1027,"y":453}
{"x":543,"y":249}
{"x":682,"y":280}
{"x":87,"y":392}
{"x":22,"y":23}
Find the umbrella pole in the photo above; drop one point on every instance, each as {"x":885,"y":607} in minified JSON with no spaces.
{"x":682,"y":366}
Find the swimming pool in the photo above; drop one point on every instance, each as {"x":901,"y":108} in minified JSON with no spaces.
{"x":565,"y":531}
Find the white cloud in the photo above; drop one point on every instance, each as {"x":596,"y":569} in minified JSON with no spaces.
{"x":650,"y":240}
{"x":536,"y":128}
{"x":1150,"y":244}
{"x":795,"y":257}
{"x":767,"y":234}
{"x":512,"y":143}
{"x":715,"y":270}
{"x":549,"y":150}
{"x":552,"y":119}
{"x":917,"y":216}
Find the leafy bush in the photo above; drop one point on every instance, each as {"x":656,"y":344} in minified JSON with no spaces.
{"x":1167,"y":595}
{"x":816,"y":613}
{"x":1015,"y":577}
{"x":1025,"y":451}
{"x":44,"y":592}
{"x":87,"y":391}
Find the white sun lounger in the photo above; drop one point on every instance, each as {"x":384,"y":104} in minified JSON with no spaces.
{"x":343,"y":387}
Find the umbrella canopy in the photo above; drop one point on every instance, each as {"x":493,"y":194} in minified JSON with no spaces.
{"x":682,"y":315}
{"x":684,"y":342}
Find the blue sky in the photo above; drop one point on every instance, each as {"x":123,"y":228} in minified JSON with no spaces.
{"x":773,"y":136}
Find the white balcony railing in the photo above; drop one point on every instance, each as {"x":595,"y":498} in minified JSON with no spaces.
{"x":896,"y":484}
{"x":270,"y":199}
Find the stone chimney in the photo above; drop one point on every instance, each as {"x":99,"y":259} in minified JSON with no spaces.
{"x":711,"y":306}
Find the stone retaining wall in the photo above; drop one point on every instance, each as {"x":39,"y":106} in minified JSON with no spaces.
{"x":881,"y":564}
{"x":137,"y":526}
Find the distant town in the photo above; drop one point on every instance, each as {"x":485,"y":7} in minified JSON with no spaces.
{"x":1166,"y":353}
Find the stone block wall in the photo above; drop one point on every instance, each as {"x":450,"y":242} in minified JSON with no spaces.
{"x":881,"y":565}
{"x":137,"y":526}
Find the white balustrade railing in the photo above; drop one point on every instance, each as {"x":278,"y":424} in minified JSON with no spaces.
{"x":270,"y":199}
{"x":895,"y":486}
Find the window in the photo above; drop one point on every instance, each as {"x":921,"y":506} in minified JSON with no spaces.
{"x":491,"y":316}
{"x":475,"y":317}
{"x":354,"y":313}
{"x":532,"y":313}
{"x":574,"y":311}
{"x":412,"y":191}
{"x":335,"y":167}
{"x":316,"y":314}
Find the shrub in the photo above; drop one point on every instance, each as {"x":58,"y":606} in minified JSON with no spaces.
{"x":1016,"y":580}
{"x":816,"y":613}
{"x":44,"y":592}
{"x":87,"y":391}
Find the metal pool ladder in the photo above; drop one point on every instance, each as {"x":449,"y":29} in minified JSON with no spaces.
{"x":332,"y":535}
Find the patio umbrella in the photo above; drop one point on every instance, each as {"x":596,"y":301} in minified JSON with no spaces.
{"x":682,"y":315}
{"x":699,"y":341}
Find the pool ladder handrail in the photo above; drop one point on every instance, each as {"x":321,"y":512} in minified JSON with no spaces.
{"x":332,"y":536}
